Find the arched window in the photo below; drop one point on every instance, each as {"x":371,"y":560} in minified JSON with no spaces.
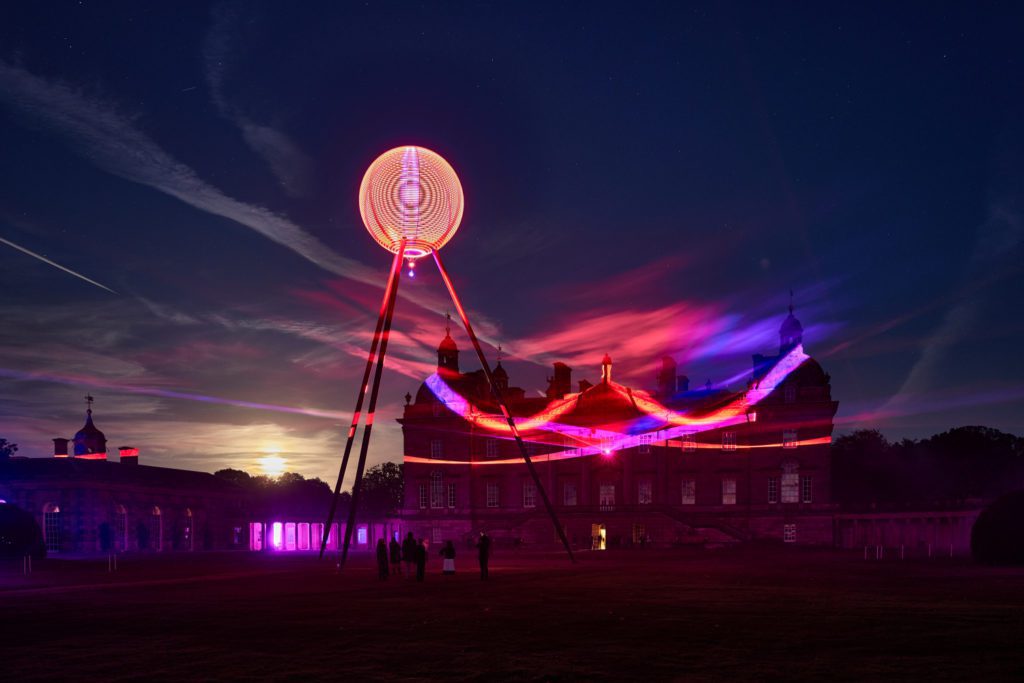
{"x":120,"y":528}
{"x":156,"y":530}
{"x":51,"y":527}
{"x":436,"y":490}
{"x":790,"y":481}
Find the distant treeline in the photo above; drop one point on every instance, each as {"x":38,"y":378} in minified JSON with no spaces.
{"x":944,"y":470}
{"x":293,"y":494}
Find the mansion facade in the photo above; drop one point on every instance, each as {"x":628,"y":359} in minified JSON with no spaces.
{"x":621,"y":465}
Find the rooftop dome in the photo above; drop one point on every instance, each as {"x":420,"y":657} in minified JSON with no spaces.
{"x":89,"y":439}
{"x":791,"y":333}
{"x":791,"y":327}
{"x":447,"y":344}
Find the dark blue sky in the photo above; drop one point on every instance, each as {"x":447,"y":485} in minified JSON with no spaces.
{"x":640,"y":180}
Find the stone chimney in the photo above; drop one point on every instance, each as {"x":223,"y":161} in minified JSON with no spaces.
{"x":60,"y":448}
{"x":129,"y":455}
{"x":667,"y":378}
{"x":561,"y":383}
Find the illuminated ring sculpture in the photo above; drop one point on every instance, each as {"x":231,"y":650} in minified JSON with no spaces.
{"x":411,"y":193}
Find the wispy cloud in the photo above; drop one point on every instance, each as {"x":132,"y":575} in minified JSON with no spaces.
{"x":996,"y":254}
{"x":112,"y":141}
{"x":288,"y":162}
{"x":55,"y":264}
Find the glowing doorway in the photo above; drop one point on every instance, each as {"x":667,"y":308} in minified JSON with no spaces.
{"x":599,"y":537}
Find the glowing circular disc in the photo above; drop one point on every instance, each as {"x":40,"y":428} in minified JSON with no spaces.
{"x":414,"y":193}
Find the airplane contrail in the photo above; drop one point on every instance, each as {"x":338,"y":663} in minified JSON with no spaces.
{"x":55,"y":265}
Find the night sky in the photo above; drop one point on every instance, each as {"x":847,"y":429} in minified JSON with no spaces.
{"x":640,"y":181}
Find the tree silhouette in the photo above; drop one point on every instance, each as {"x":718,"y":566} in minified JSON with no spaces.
{"x":7,"y":448}
{"x":383,"y":488}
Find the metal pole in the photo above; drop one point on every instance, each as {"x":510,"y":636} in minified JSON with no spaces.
{"x":396,"y":266}
{"x":374,"y":391}
{"x":501,"y":403}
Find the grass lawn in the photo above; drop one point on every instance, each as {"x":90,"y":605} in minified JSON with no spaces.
{"x":688,"y":614}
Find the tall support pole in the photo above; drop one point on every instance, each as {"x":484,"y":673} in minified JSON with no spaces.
{"x":501,"y":403}
{"x":374,"y":391}
{"x":396,"y":267}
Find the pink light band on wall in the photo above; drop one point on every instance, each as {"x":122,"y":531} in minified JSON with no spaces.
{"x":606,"y":441}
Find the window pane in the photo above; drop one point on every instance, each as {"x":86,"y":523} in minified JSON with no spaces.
{"x":569,"y":493}
{"x":728,"y":492}
{"x":529,"y":494}
{"x":644,"y":493}
{"x":689,"y":492}
{"x":790,"y":482}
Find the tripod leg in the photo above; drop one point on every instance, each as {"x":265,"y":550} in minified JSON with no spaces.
{"x":396,"y":266}
{"x":501,"y":402}
{"x":374,"y":391}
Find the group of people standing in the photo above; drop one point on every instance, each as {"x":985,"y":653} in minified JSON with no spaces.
{"x":413,"y":554}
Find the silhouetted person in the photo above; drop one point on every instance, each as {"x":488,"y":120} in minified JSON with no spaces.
{"x":483,"y":547}
{"x":382,"y":560}
{"x":396,"y":557}
{"x":448,"y":553}
{"x":409,"y":554}
{"x":421,"y":559}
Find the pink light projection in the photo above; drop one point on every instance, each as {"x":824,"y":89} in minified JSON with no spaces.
{"x":607,"y":441}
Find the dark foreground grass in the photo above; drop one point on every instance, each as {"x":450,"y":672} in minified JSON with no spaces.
{"x":733,"y":614}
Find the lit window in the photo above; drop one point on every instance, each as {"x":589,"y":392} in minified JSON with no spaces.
{"x":435,"y":535}
{"x":436,"y":490}
{"x":789,"y":393}
{"x":790,"y":482}
{"x":423,"y":496}
{"x":529,"y":494}
{"x":728,"y":492}
{"x":569,"y":493}
{"x":805,"y":489}
{"x":645,"y":443}
{"x":492,"y":495}
{"x":361,"y":535}
{"x":728,"y":441}
{"x":689,"y":442}
{"x":773,"y":489}
{"x":789,"y":438}
{"x":491,"y":448}
{"x":436,"y":448}
{"x":643,"y":493}
{"x":607,"y":495}
{"x":789,"y":533}
{"x":689,"y":492}
{"x":451,"y":495}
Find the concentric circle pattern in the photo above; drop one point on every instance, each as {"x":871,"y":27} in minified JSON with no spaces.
{"x":414,"y":193}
